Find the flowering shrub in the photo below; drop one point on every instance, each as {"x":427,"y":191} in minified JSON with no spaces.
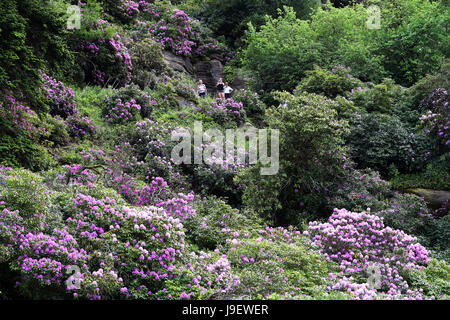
{"x":115,"y":248}
{"x":151,"y":145}
{"x":106,"y":58}
{"x":250,"y":101}
{"x":178,"y":32}
{"x":409,"y":213}
{"x":223,"y":111}
{"x":216,"y":175}
{"x":129,"y":9}
{"x":20,"y":115}
{"x":434,"y":280}
{"x":362,"y":190}
{"x":213,"y":221}
{"x":357,"y":241}
{"x":121,"y":112}
{"x":59,"y":97}
{"x":80,"y":127}
{"x":124,"y":105}
{"x":202,"y":276}
{"x":277,"y":263}
{"x":437,"y":119}
{"x":21,"y":128}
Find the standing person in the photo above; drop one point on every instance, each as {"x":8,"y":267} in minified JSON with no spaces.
{"x":220,"y":89}
{"x":201,"y":90}
{"x":228,"y":90}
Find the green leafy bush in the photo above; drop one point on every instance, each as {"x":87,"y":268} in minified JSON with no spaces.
{"x":26,"y":43}
{"x":425,"y":86}
{"x":278,"y":263}
{"x":362,"y":190}
{"x":435,"y":176}
{"x":215,"y":220}
{"x":434,"y":280}
{"x":22,"y":190}
{"x":251,"y":102}
{"x":379,"y":140}
{"x":126,"y":104}
{"x":413,"y":38}
{"x":380,"y":98}
{"x":337,"y":81}
{"x":308,"y":173}
{"x":148,"y":62}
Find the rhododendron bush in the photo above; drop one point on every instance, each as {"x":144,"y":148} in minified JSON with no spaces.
{"x":358,"y":241}
{"x":95,"y":203}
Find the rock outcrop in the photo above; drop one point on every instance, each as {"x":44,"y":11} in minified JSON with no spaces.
{"x":437,"y":199}
{"x":240,"y":81}
{"x":179,"y":64}
{"x":209,"y":72}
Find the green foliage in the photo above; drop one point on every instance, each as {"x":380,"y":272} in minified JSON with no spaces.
{"x":425,"y":86}
{"x":435,"y":176}
{"x":214,"y":221}
{"x":127,"y":104}
{"x":434,"y":280}
{"x":20,"y":150}
{"x":344,"y":38}
{"x":251,"y":102}
{"x":24,"y":191}
{"x":409,"y":213}
{"x":277,"y":262}
{"x":379,"y":140}
{"x":362,"y":190}
{"x":32,"y":31}
{"x":380,"y":98}
{"x":278,"y":54}
{"x":414,"y":38}
{"x":230,"y":18}
{"x":332,"y":83}
{"x":90,"y":100}
{"x":148,"y":62}
{"x":307,"y":172}
{"x":58,"y":130}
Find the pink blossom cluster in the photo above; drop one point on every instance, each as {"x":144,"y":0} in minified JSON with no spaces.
{"x":224,"y":110}
{"x":122,"y":111}
{"x":21,"y":115}
{"x":357,"y":240}
{"x":59,"y":97}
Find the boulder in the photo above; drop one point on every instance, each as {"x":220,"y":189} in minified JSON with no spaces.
{"x":240,"y":81}
{"x":177,"y":63}
{"x":437,"y":199}
{"x":209,"y":72}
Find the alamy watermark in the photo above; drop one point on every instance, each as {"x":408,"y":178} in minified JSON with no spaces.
{"x":74,"y":20}
{"x":74,"y":281}
{"x":213,"y":147}
{"x":374,"y":276}
{"x":374,"y":20}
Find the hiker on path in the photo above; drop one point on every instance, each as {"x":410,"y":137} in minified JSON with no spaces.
{"x":228,"y":90}
{"x":201,"y":90}
{"x":220,"y":89}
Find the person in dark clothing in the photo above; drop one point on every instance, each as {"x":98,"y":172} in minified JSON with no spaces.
{"x":220,"y":89}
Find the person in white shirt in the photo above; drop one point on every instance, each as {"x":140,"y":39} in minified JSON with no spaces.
{"x":228,"y":90}
{"x":201,"y":90}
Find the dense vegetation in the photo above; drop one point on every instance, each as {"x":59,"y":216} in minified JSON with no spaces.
{"x":89,"y":188}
